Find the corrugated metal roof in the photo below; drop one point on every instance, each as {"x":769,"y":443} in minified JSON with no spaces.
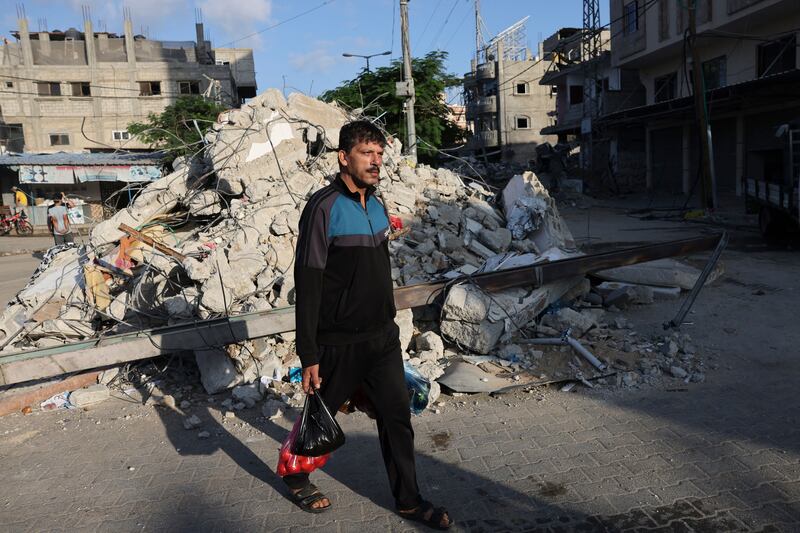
{"x":82,"y":159}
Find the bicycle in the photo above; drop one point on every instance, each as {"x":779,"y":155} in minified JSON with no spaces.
{"x":18,"y":222}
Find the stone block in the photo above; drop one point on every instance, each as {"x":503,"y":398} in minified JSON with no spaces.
{"x":89,"y":395}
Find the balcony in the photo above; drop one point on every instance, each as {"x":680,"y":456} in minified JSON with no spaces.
{"x":486,"y":104}
{"x":485,"y":70}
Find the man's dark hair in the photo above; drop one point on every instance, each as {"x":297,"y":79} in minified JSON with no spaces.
{"x":358,"y":131}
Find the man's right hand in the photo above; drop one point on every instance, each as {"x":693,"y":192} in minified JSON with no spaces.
{"x":311,"y":379}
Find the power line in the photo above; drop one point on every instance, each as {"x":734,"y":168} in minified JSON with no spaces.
{"x":435,"y":9}
{"x":281,"y":23}
{"x":441,"y":29}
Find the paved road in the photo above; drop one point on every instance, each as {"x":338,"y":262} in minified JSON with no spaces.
{"x":15,"y":271}
{"x":718,"y":456}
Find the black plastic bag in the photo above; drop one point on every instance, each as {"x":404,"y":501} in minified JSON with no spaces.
{"x":319,"y":433}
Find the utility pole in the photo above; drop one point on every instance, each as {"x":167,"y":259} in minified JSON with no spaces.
{"x":406,"y":87}
{"x":478,"y":36}
{"x":708,"y":181}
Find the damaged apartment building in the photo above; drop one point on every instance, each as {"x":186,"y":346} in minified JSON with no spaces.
{"x":76,"y":91}
{"x":505,"y":106}
{"x":586,"y":87}
{"x":747,"y":50}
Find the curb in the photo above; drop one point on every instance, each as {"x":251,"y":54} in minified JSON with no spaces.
{"x":22,"y":252}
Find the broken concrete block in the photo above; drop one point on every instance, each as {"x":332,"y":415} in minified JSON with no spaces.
{"x":662,"y":273}
{"x":217,"y":371}
{"x":467,"y":303}
{"x":569,"y":318}
{"x":479,"y":338}
{"x":405,"y":321}
{"x":430,"y":341}
{"x":498,"y":240}
{"x":89,"y":395}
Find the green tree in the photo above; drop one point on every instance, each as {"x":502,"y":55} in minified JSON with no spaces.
{"x":174,"y":130}
{"x":374,"y":92}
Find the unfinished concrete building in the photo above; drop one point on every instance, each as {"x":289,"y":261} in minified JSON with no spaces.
{"x":748,"y":54}
{"x":505,"y":106}
{"x":79,"y":90}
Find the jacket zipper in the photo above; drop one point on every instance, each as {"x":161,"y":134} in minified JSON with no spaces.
{"x":366,"y":214}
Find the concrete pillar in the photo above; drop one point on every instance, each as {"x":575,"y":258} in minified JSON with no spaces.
{"x":500,"y":78}
{"x":129,"y":49}
{"x":739,"y":154}
{"x":88,"y":41}
{"x":686,"y":152}
{"x":44,"y":43}
{"x":200,"y":47}
{"x":648,"y":159}
{"x":25,"y":42}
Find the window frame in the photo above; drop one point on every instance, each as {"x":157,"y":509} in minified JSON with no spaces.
{"x":81,"y":86}
{"x":124,"y":135}
{"x":571,"y":94}
{"x":670,"y":78}
{"x":526,"y":118}
{"x":191,"y":84}
{"x":630,"y":21}
{"x":50,"y":86}
{"x":722,"y":72}
{"x":782,"y":46}
{"x":150,"y":85}
{"x":526,"y":88}
{"x":59,"y":137}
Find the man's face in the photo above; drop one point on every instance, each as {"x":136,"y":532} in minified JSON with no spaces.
{"x":363,"y":163}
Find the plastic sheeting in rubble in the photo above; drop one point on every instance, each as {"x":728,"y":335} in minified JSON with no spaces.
{"x":233,"y":213}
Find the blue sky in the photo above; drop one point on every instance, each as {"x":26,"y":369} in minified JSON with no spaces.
{"x":306,"y":53}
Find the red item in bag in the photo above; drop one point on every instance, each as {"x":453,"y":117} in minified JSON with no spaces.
{"x":289,"y":463}
{"x":395,"y":222}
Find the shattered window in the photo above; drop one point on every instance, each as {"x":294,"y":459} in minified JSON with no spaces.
{"x":575,"y":94}
{"x":523,"y":123}
{"x":521,"y":88}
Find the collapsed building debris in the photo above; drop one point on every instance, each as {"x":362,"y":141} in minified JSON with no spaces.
{"x":216,"y":237}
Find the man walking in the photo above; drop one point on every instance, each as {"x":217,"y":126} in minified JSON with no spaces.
{"x":346,"y":335}
{"x":20,"y":199}
{"x":59,"y":222}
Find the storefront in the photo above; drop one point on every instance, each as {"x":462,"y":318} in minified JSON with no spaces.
{"x":89,"y":180}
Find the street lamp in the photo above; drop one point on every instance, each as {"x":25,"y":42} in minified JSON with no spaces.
{"x":386,"y":53}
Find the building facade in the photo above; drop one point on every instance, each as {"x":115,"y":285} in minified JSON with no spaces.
{"x":747,"y":52}
{"x":505,"y":106}
{"x":78,"y":91}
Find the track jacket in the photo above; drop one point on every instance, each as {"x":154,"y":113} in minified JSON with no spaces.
{"x":342,"y":272}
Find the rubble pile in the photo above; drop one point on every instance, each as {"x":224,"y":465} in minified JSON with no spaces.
{"x":229,"y":219}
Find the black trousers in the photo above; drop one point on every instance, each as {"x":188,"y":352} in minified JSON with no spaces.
{"x":376,"y":365}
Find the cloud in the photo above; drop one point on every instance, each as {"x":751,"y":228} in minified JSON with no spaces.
{"x":318,"y":59}
{"x":237,"y":18}
{"x":153,"y":14}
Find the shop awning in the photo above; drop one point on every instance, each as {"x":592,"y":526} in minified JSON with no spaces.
{"x":69,"y":168}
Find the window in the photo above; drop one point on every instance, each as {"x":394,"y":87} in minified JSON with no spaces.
{"x":120,"y":135}
{"x":9,"y":85}
{"x":630,"y":17}
{"x":149,"y":88}
{"x":49,"y":88}
{"x":59,"y":139}
{"x":521,"y":88}
{"x":715,"y":73}
{"x":777,"y":56}
{"x":189,"y":87}
{"x":222,"y":62}
{"x":575,"y":94}
{"x":522,"y":123}
{"x":665,"y":87}
{"x":81,"y":88}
